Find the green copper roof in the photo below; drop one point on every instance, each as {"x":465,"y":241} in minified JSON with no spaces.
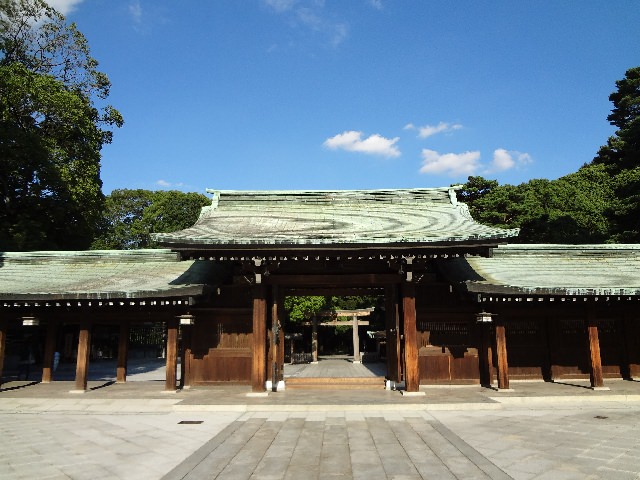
{"x":100,"y":274}
{"x":412,"y":217}
{"x":569,"y":270}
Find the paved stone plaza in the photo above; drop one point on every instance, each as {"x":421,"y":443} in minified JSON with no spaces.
{"x":135,"y":431}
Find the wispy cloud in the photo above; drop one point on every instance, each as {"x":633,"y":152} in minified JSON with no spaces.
{"x":352,"y":141}
{"x":506,"y":160}
{"x":64,"y":6}
{"x":165,"y":184}
{"x":430,"y":130}
{"x":452,"y":164}
{"x":280,"y":5}
{"x":377,"y":4}
{"x":135,"y":10}
{"x":311,"y":16}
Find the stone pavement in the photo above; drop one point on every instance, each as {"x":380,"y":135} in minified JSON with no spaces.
{"x":135,"y":431}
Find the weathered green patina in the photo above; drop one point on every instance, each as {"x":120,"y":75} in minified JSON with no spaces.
{"x":101,"y":275}
{"x":326,"y":219}
{"x":557,"y":270}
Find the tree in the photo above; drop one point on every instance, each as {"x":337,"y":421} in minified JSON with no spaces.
{"x":621,"y":156}
{"x":132,"y":215}
{"x":51,"y":132}
{"x":300,"y":308}
{"x":571,"y":209}
{"x":622,"y":150}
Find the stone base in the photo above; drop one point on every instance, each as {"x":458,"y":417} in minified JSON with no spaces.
{"x":170,"y":391}
{"x":504,"y":390}
{"x":279,"y":386}
{"x":600,"y":389}
{"x":412,"y":394}
{"x":258,"y":394}
{"x":77,"y":391}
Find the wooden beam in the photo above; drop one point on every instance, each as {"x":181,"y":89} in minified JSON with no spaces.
{"x":49,"y":351}
{"x":411,"y":374}
{"x":82,"y":361}
{"x":172,"y":355}
{"x":501,"y":351}
{"x":3,"y":344}
{"x":594,"y":351}
{"x":350,"y":280}
{"x":123,"y":352}
{"x":258,"y":364}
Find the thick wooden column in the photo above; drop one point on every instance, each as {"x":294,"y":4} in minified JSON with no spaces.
{"x":185,"y":364}
{"x":279,"y":302}
{"x":501,"y":351}
{"x":485,"y":354}
{"x":411,"y":374}
{"x":123,"y":353}
{"x":393,"y":334}
{"x":3,"y":344}
{"x":172,"y":355}
{"x":258,"y":364}
{"x":82,"y":361}
{"x":594,"y":351}
{"x":314,"y":339}
{"x":356,"y":341}
{"x":49,"y":351}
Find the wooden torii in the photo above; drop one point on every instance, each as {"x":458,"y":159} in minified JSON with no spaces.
{"x":354,"y":314}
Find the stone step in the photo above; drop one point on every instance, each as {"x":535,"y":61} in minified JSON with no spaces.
{"x":326,"y":383}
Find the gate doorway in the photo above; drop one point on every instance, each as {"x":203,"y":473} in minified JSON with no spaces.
{"x":335,"y":347}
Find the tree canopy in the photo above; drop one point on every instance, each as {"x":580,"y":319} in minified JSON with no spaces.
{"x":598,"y":203}
{"x":51,"y":131}
{"x":132,"y":215}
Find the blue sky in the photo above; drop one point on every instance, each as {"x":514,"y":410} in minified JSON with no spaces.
{"x":355,"y":94}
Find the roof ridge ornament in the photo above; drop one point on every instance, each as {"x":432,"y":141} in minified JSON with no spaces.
{"x":215,"y":199}
{"x":452,"y":194}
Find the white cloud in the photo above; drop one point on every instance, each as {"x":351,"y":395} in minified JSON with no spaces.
{"x":377,"y":4}
{"x":310,"y":15}
{"x":64,"y":6}
{"x":429,"y":130}
{"x":352,"y":141}
{"x":280,"y":5}
{"x":165,"y":184}
{"x":453,"y":164}
{"x":506,"y":160}
{"x":135,"y":10}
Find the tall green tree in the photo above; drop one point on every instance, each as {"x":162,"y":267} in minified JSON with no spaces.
{"x":131,"y":216}
{"x":621,"y":157}
{"x":51,"y":130}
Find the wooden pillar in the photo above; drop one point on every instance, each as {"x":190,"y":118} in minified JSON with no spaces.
{"x":356,"y":340}
{"x":501,"y":351}
{"x":185,"y":356}
{"x":484,"y":354}
{"x":411,"y":375}
{"x":3,"y":344}
{"x":172,"y":355}
{"x":258,"y":364}
{"x":393,"y":334}
{"x":314,"y":339}
{"x":49,"y":351}
{"x":280,"y":302}
{"x":82,"y":361}
{"x":594,"y":351}
{"x":276,"y":345}
{"x":123,"y":353}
